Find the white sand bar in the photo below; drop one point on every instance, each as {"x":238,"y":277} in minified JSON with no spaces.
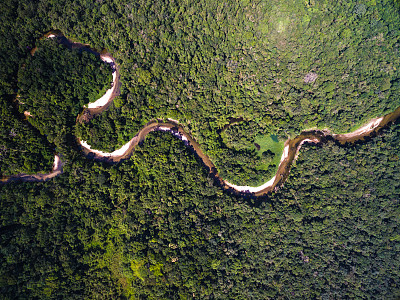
{"x":173,"y":120}
{"x":107,"y":97}
{"x":56,"y":163}
{"x":118,"y":152}
{"x":177,"y":134}
{"x":364,"y":129}
{"x":246,"y":188}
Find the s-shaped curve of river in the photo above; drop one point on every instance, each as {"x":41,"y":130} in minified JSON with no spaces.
{"x":289,"y":155}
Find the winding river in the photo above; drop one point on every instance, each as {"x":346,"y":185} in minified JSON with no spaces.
{"x":289,"y":155}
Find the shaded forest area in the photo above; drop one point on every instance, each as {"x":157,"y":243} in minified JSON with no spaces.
{"x":56,"y":83}
{"x":22,"y":148}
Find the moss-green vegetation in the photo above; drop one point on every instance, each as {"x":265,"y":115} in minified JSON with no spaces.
{"x":270,"y":149}
{"x":270,"y":144}
{"x":249,"y":152}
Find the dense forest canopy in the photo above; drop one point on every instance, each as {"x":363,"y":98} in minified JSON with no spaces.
{"x":241,"y":77}
{"x":55,"y":83}
{"x":22,"y":148}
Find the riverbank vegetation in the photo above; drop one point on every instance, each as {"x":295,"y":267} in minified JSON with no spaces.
{"x":55,"y":83}
{"x":22,"y":148}
{"x":50,"y":87}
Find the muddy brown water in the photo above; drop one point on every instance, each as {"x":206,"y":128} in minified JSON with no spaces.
{"x":316,"y":136}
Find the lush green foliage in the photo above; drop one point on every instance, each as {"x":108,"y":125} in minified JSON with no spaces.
{"x":205,"y":62}
{"x":53,"y":86}
{"x":56,"y":83}
{"x":22,"y":148}
{"x":54,"y":240}
{"x":156,"y":227}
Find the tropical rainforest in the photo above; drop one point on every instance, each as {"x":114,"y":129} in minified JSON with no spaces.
{"x":240,"y":77}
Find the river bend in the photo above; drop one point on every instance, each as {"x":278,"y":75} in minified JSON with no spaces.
{"x":289,"y":155}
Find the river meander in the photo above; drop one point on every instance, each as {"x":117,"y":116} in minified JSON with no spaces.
{"x":289,"y":155}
